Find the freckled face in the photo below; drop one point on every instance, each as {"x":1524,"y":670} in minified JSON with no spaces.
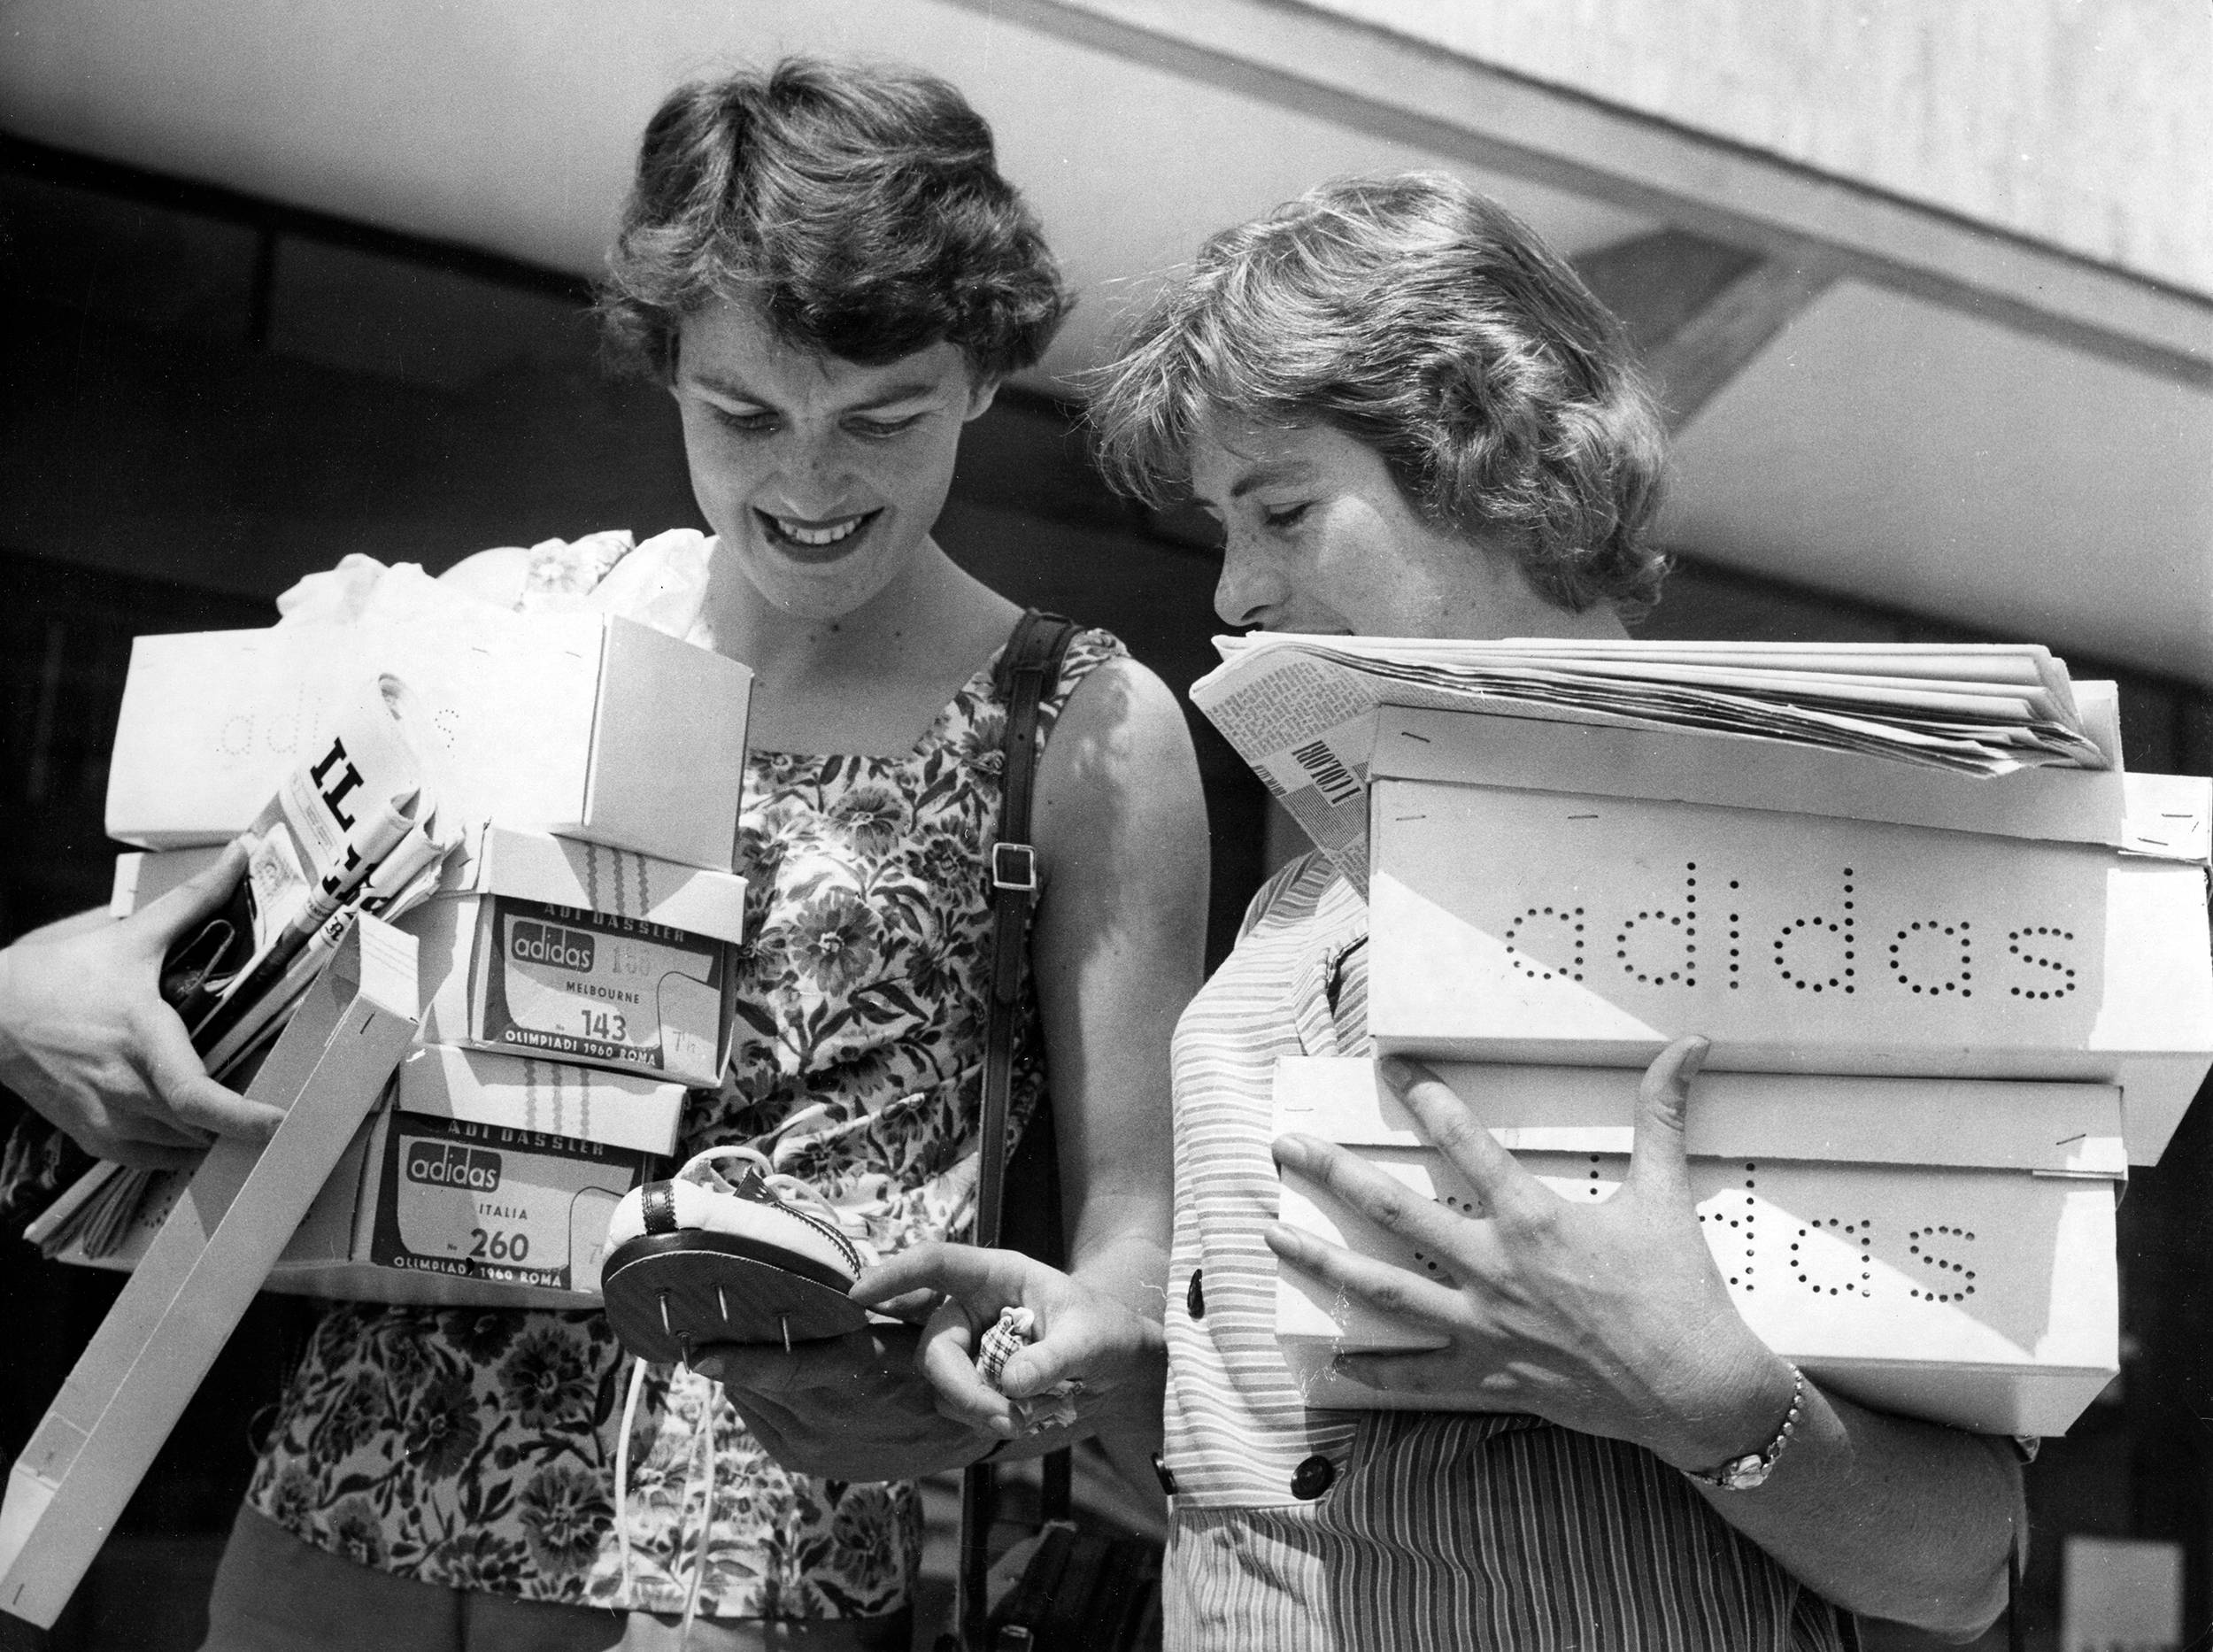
{"x":821,"y":478}
{"x":1316,"y":536}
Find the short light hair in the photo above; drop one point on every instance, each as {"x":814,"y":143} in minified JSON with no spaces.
{"x":1427,"y":322}
{"x":860,"y":207}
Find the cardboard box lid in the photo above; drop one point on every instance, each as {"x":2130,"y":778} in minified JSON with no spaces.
{"x":211,"y":719}
{"x":2164,"y":815}
{"x":576,"y":722}
{"x":569,"y":872}
{"x":550,"y":1098}
{"x":2058,"y":1128}
{"x":665,"y":770}
{"x":668,"y":751}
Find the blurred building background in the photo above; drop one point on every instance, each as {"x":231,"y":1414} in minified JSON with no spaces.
{"x":1928,"y":288}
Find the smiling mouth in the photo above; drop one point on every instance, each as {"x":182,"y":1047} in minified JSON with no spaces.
{"x":830,"y":537}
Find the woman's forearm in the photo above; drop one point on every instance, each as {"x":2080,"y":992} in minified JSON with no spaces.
{"x":1888,"y":1516}
{"x":1121,"y":1247}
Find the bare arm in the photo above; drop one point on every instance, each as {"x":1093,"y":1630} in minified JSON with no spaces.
{"x":1118,"y":949}
{"x":1887,"y":1516}
{"x":1612,"y":1319}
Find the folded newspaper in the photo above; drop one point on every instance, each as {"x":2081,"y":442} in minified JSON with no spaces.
{"x":1301,"y":709}
{"x":354,"y":828}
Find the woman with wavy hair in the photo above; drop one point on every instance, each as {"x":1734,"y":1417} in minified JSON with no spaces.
{"x":823,"y":265}
{"x":1411,"y":419}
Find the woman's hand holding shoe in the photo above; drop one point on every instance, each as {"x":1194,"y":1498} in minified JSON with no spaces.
{"x":893,"y":1401}
{"x":852,"y":1408}
{"x":1117,"y":1357}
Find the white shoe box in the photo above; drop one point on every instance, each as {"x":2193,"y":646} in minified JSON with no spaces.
{"x":577,"y":723}
{"x":425,"y":1209}
{"x":1549,"y":894}
{"x":1943,"y":1248}
{"x":575,"y":953}
{"x":431,"y":1209}
{"x":559,"y":949}
{"x":485,"y":1181}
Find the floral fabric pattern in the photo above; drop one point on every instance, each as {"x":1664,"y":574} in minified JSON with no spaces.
{"x":477,"y":1448}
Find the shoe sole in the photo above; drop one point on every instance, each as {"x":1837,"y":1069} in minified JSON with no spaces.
{"x":669,"y":1293}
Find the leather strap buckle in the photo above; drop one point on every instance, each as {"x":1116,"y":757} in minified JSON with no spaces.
{"x":1015,"y":866}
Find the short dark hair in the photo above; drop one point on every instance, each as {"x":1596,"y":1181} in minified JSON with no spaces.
{"x":1427,"y":322}
{"x":860,"y":208}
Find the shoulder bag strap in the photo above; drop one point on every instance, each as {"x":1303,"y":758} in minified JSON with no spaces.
{"x":1030,"y":669}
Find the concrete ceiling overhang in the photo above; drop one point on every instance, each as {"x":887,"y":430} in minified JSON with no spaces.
{"x":1881,"y":444}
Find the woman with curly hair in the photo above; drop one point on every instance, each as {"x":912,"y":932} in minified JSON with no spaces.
{"x":1411,"y":419}
{"x":823,"y":265}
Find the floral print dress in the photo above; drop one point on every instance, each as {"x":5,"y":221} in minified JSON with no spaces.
{"x":476,"y":1447}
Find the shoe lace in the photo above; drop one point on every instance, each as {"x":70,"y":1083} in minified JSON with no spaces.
{"x":623,"y":1494}
{"x":796,"y":1195}
{"x":803,"y":1200}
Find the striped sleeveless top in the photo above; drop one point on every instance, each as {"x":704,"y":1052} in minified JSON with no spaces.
{"x":1297,"y":1529}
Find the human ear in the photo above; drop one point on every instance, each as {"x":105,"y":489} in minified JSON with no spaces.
{"x":980,"y":394}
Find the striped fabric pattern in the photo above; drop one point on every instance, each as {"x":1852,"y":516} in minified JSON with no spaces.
{"x":1417,"y":1530}
{"x":1236,"y":1427}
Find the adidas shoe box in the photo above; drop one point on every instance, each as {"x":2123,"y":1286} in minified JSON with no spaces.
{"x":557,"y":948}
{"x":425,"y":1209}
{"x":1942,"y":1249}
{"x":487,"y":1180}
{"x":1555,"y":893}
{"x":576,"y":722}
{"x":582,"y":954}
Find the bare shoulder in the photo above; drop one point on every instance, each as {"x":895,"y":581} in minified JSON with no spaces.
{"x":1120,"y":777}
{"x":1120,"y":716}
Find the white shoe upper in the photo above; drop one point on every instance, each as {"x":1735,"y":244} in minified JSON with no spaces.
{"x":762,"y":1206}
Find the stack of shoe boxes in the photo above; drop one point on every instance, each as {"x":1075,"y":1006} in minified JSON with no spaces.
{"x":1946,"y":1014}
{"x":575,"y":965}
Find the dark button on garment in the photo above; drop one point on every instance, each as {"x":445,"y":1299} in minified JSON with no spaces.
{"x":1195,"y":1298}
{"x":1164,"y":1474}
{"x":1312,"y":1477}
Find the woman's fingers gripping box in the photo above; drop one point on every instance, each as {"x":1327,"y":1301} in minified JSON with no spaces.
{"x":1941,"y":1248}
